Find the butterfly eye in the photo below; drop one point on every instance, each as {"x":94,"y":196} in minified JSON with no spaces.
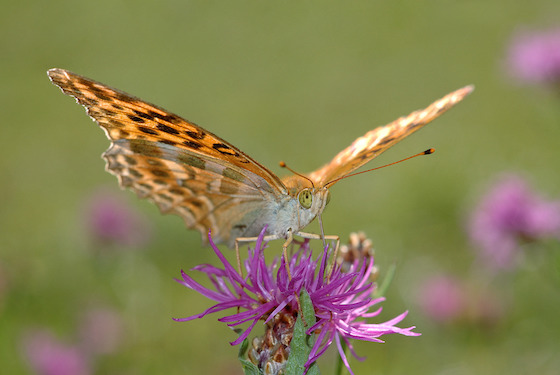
{"x":305,"y":198}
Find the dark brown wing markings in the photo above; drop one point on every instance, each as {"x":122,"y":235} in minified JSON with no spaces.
{"x":378,"y":140}
{"x":137,"y":119}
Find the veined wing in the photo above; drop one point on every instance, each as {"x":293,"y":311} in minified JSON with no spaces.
{"x":123,"y":116}
{"x":376,"y":141}
{"x":206,"y":194}
{"x":183,"y":168}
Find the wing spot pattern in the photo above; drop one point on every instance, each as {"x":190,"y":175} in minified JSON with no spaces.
{"x":224,"y":149}
{"x":130,"y":160}
{"x":167,"y":129}
{"x":192,"y":160}
{"x":155,"y":162}
{"x":136,"y":119}
{"x":196,"y":135}
{"x":143,"y":115}
{"x":135,"y":173}
{"x":160,"y":173}
{"x":192,"y":144}
{"x":101,"y":95}
{"x":146,"y":130}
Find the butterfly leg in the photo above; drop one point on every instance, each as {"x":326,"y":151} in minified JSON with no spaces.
{"x":239,"y":240}
{"x":330,"y":237}
{"x":285,"y":252}
{"x":337,"y":246}
{"x":238,"y":257}
{"x":313,"y":236}
{"x":265,"y":238}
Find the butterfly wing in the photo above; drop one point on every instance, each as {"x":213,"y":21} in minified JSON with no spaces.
{"x":376,"y":141}
{"x":183,"y":168}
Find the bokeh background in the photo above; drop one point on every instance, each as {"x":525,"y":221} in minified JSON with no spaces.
{"x":294,"y":81}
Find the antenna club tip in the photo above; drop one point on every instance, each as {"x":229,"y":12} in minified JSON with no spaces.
{"x":429,"y":151}
{"x":282,"y":164}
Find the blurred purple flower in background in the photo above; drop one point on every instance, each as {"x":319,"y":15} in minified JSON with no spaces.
{"x":340,"y":302}
{"x":509,"y":215}
{"x":47,"y":355}
{"x":100,"y":334}
{"x":448,"y":299}
{"x":534,"y":56}
{"x":100,"y":331}
{"x":111,"y":220}
{"x":443,"y":298}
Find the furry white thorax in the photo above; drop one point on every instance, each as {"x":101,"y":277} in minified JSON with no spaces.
{"x":291,"y":216}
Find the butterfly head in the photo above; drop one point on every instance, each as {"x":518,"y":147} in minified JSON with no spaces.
{"x":311,"y":202}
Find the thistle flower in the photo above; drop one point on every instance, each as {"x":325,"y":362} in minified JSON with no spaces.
{"x":510,"y":215}
{"x":49,"y":356}
{"x":99,"y":334}
{"x":340,"y":302}
{"x":110,"y":220}
{"x":100,"y":331}
{"x":443,"y":298}
{"x":448,"y":299}
{"x":535,"y":56}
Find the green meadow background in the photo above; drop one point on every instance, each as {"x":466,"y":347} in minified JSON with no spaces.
{"x":282,"y":80}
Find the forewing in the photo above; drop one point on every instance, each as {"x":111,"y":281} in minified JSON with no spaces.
{"x":183,"y":168}
{"x":123,"y":116}
{"x":376,"y":141}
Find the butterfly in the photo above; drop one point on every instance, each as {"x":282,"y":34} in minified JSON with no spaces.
{"x":214,"y":186}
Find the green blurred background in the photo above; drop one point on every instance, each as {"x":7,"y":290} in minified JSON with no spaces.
{"x":294,"y":81}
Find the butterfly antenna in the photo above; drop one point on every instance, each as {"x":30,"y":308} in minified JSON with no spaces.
{"x":284,"y":165}
{"x":427,"y":152}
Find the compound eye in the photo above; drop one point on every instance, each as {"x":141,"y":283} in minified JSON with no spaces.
{"x":305,"y":198}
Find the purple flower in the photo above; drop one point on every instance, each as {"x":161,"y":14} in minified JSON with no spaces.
{"x":447,"y":299}
{"x":535,"y":56}
{"x":443,"y":298}
{"x":49,"y":356}
{"x":509,"y":215}
{"x":110,"y":220}
{"x":100,"y":331}
{"x":267,"y":294}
